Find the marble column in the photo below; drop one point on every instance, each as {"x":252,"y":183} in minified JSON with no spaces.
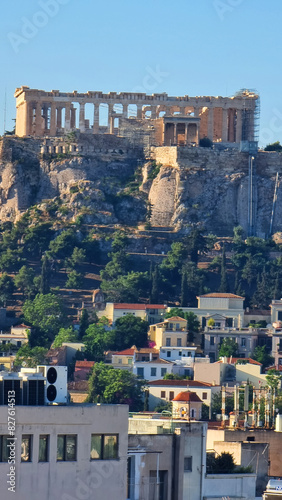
{"x":73,"y":118}
{"x":210,"y":124}
{"x":139,"y":111}
{"x":125,"y":111}
{"x":153,"y":112}
{"x":67,"y":117}
{"x":110,"y":114}
{"x":239,"y":125}
{"x":224,"y":136}
{"x":53,"y":128}
{"x":186,"y":133}
{"x":82,"y":117}
{"x":38,"y":119}
{"x":59,"y":117}
{"x":175,"y":134}
{"x":96,"y":118}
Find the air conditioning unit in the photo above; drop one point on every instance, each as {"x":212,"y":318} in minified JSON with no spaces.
{"x":56,"y":383}
{"x":10,"y":382}
{"x":33,"y":388}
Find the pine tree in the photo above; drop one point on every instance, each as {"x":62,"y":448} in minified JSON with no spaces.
{"x":84,"y":323}
{"x":276,"y":290}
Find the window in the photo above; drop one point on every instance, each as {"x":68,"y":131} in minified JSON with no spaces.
{"x":129,"y":361}
{"x":178,"y":342}
{"x":279,"y":316}
{"x":187,"y":464}
{"x":177,"y":326}
{"x":179,"y":353}
{"x":104,"y":447}
{"x":120,"y":361}
{"x":4,"y":450}
{"x":243,"y":342}
{"x":162,"y":394}
{"x":140,"y":372}
{"x":153,"y":372}
{"x":43,"y":455}
{"x":168,"y":354}
{"x":168,"y":342}
{"x":66,"y":448}
{"x":186,"y":372}
{"x":26,"y":448}
{"x":19,"y":343}
{"x":171,"y":395}
{"x":205,"y":395}
{"x":163,"y":371}
{"x":212,"y":341}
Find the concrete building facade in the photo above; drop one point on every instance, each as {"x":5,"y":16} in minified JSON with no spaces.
{"x":65,"y":452}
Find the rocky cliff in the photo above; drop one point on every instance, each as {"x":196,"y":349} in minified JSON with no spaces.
{"x":212,"y":187}
{"x":105,"y":182}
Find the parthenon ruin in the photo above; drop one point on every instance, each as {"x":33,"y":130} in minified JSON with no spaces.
{"x":171,"y":120}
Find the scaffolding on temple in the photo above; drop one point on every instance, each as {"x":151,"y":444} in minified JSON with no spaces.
{"x":250,"y":117}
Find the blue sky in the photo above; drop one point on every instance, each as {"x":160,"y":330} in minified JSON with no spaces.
{"x":204,"y":47}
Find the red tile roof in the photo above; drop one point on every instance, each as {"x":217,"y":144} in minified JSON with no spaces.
{"x":139,"y":307}
{"x":175,"y":318}
{"x":126,"y":352}
{"x":180,"y":383}
{"x":187,"y":396}
{"x":222,"y":295}
{"x":233,"y":361}
{"x":84,"y":364}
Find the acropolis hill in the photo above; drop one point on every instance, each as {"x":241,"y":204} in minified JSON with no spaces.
{"x":114,"y":152}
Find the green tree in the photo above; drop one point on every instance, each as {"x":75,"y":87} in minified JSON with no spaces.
{"x":11,"y":260}
{"x":130,"y":287}
{"x":45,"y":276}
{"x":37,"y":238}
{"x":193,"y":325}
{"x":24,"y":281}
{"x":275,"y":146}
{"x":175,"y":311}
{"x":75,"y":280}
{"x":184,"y":297}
{"x":7,"y":288}
{"x":205,"y":142}
{"x":45,"y":313}
{"x":261,"y":355}
{"x":129,"y":331}
{"x":65,"y":335}
{"x":30,"y":357}
{"x":83,"y":323}
{"x":221,"y":464}
{"x":224,"y":287}
{"x":196,"y":244}
{"x":229,"y":347}
{"x":273,"y":379}
{"x":97,"y":340}
{"x":62,"y":246}
{"x":154,"y":297}
{"x":77,"y":257}
{"x":113,"y":386}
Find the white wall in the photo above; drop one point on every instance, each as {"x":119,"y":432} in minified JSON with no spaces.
{"x":82,"y":478}
{"x":230,"y":485}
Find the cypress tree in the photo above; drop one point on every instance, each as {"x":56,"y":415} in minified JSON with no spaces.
{"x":223,"y":275}
{"x":45,"y":276}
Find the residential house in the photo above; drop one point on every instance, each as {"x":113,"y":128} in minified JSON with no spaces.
{"x":172,"y":332}
{"x":167,"y":390}
{"x":246,"y":338}
{"x":152,"y":313}
{"x":231,"y":371}
{"x":18,"y":336}
{"x":152,"y":370}
{"x":123,"y":359}
{"x":227,"y":306}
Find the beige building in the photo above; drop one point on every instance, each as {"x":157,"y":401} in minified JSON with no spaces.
{"x":64,"y":452}
{"x":148,"y":312}
{"x":227,"y":306}
{"x":172,"y":332}
{"x":18,"y":336}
